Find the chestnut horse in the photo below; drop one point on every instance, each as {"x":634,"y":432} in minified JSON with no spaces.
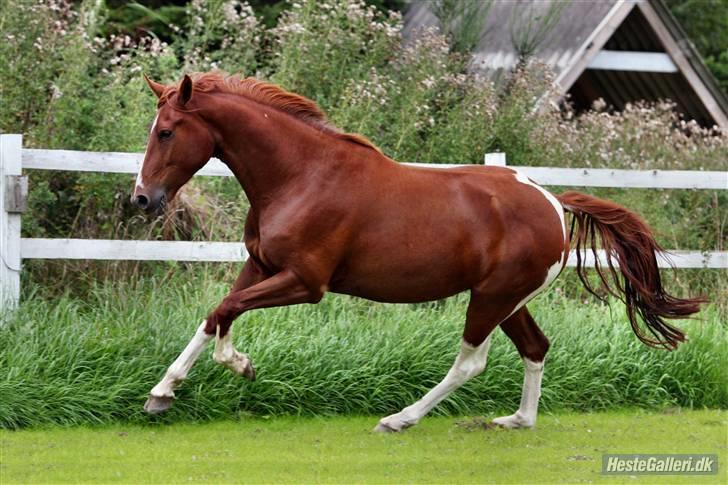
{"x":330,"y":212}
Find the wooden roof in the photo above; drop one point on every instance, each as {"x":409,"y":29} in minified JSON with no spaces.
{"x":618,"y":50}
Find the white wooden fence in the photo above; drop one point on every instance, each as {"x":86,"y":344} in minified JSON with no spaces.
{"x":13,"y":248}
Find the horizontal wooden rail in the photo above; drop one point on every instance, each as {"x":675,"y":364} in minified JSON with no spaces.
{"x":105,"y":249}
{"x":109,"y":249}
{"x":105,"y":162}
{"x":13,"y":248}
{"x":117,"y":162}
{"x":676,"y":259}
{"x":632,"y":179}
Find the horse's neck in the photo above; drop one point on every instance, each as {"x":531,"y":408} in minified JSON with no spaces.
{"x":268,"y":151}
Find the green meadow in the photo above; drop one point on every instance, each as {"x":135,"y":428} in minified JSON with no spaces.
{"x":565,"y":447}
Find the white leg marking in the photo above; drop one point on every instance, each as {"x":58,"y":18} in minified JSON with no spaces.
{"x":226,"y":355}
{"x":469,"y":363}
{"x":525,"y":417}
{"x":177,"y":372}
{"x":139,"y":182}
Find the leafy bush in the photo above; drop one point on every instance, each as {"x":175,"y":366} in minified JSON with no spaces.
{"x":220,"y":34}
{"x":65,"y":86}
{"x":346,"y":37}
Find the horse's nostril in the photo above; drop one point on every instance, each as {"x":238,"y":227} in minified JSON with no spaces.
{"x":142,"y":201}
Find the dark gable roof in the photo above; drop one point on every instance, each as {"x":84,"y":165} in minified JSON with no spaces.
{"x":584,"y":28}
{"x":496,"y":52}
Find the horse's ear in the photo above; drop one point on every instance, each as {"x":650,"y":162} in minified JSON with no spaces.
{"x":185,"y":90}
{"x":156,"y":88}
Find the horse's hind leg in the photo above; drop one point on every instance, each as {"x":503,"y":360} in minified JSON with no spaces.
{"x":482,"y":317}
{"x":532,"y":344}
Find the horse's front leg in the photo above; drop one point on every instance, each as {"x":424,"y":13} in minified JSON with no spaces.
{"x":162,"y":395}
{"x":284,"y":288}
{"x":225,"y":354}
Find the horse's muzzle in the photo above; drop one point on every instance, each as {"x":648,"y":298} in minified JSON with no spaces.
{"x":150,"y":202}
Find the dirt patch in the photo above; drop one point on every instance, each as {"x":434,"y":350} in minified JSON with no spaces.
{"x":672,"y":410}
{"x":579,"y":458}
{"x":476,"y":423}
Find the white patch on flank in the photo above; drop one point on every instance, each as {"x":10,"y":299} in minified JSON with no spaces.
{"x":177,"y":372}
{"x":555,"y":268}
{"x":549,"y":196}
{"x":469,"y":363}
{"x":525,"y":417}
{"x":551,"y":275}
{"x":139,"y":182}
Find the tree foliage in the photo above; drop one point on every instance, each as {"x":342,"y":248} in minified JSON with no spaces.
{"x":706,"y":24}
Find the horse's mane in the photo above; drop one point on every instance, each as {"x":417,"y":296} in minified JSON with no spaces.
{"x":268,"y":94}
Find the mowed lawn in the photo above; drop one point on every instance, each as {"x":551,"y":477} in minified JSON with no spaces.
{"x":564,"y":448}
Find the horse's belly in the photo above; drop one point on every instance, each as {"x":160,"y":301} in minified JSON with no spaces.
{"x":405,"y":293}
{"x":392,"y":282}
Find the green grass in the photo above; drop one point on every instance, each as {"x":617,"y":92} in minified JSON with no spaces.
{"x":563,"y":448}
{"x":76,"y":361}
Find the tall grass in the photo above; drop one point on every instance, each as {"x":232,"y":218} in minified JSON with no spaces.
{"x":93,"y":360}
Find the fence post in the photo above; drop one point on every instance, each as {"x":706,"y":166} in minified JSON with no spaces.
{"x":10,"y":166}
{"x":497,"y":159}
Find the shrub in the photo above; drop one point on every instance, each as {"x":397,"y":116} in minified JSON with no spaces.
{"x":66,"y":87}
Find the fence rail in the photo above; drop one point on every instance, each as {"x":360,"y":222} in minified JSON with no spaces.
{"x":114,"y":249}
{"x":117,"y":162}
{"x":13,"y":248}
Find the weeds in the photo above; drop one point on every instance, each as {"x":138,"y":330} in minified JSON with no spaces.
{"x":93,"y":360}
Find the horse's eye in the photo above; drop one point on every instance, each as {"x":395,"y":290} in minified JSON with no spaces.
{"x":165,"y":134}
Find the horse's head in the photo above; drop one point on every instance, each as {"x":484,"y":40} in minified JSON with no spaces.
{"x":180,"y":143}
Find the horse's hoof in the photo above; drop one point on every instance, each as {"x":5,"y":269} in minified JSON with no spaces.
{"x":158,"y":404}
{"x":242,"y":366}
{"x":383,"y":428}
{"x":390,"y":425}
{"x":514,"y":421}
{"x":249,"y":371}
{"x":238,"y":363}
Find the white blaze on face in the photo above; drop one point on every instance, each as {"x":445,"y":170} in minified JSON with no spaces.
{"x":139,"y":182}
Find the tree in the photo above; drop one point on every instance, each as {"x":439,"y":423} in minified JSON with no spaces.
{"x":706,"y":23}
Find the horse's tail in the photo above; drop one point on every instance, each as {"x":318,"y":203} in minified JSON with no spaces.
{"x":628,"y":240}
